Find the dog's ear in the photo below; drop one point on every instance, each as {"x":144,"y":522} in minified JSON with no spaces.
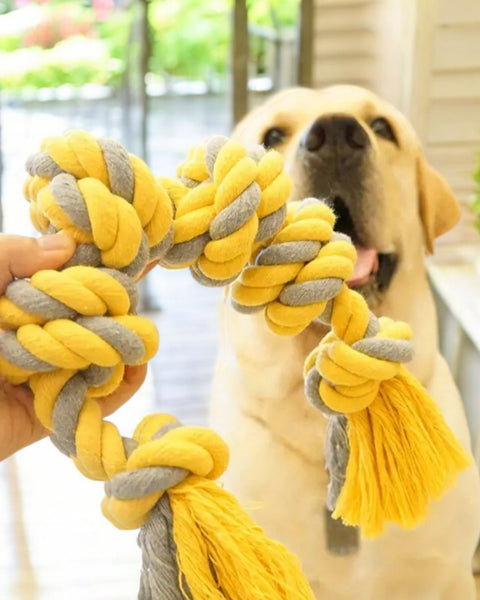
{"x":439,"y":210}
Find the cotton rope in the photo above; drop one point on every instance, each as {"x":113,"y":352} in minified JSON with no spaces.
{"x":70,"y":333}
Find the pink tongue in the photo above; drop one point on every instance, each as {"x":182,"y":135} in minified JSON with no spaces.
{"x":367,"y":263}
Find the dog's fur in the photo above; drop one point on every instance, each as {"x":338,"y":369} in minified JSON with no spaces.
{"x":391,"y":200}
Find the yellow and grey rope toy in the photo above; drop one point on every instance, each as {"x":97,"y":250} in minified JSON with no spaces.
{"x":72,"y":331}
{"x":388,"y":449}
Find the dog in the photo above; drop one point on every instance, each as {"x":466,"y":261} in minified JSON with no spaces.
{"x":345,"y":145}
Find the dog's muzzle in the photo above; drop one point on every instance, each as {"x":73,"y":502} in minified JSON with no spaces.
{"x":337,"y":132}
{"x":334,"y":153}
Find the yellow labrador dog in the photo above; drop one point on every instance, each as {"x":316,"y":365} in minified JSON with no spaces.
{"x":361,"y":155}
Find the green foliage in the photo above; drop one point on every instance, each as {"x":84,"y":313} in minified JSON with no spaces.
{"x":9,"y":43}
{"x":114,"y":32}
{"x":273,"y":12}
{"x":63,"y":48}
{"x":189,"y":38}
{"x":6,"y":6}
{"x":75,"y":61}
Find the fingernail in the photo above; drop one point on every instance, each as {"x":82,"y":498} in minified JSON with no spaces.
{"x":56,"y":241}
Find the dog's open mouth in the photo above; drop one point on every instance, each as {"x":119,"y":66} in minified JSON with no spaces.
{"x":365,"y":267}
{"x":373,"y":270}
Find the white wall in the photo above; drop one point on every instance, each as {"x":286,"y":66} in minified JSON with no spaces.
{"x":345,"y":42}
{"x":444,"y":99}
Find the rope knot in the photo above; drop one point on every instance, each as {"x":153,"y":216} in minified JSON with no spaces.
{"x":302,"y":268}
{"x":216,"y":221}
{"x":167,"y":455}
{"x":346,"y":378}
{"x":232,"y":202}
{"x":106,"y":199}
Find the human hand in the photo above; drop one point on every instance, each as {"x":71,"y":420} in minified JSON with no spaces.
{"x":22,"y":257}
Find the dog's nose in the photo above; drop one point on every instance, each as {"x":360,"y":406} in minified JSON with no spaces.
{"x":335,"y":130}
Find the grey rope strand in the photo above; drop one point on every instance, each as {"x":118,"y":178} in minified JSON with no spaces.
{"x":159,"y":579}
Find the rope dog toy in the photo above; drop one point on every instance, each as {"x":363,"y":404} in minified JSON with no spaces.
{"x":70,"y":333}
{"x":388,"y":449}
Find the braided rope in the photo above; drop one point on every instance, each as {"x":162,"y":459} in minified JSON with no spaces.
{"x":77,"y":328}
{"x":70,"y":333}
{"x":300,"y":276}
{"x":241,"y":201}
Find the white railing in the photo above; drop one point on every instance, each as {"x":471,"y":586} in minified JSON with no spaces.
{"x":454,"y":272}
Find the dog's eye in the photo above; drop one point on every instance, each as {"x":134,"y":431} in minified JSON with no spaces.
{"x":273,"y":137}
{"x":382,"y":128}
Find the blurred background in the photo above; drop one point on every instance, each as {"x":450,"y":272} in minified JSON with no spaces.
{"x":159,"y":76}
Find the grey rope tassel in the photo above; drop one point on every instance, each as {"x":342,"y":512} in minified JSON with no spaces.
{"x":159,"y":579}
{"x":336,"y":457}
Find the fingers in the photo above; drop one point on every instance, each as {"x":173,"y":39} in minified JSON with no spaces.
{"x":22,"y":256}
{"x":132,"y":380}
{"x":19,"y":426}
{"x":147,"y":269}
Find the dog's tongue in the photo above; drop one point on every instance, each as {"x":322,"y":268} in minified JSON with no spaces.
{"x":367,"y":263}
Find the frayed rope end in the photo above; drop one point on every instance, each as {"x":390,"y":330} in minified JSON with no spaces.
{"x":222,"y":553}
{"x":402,"y":455}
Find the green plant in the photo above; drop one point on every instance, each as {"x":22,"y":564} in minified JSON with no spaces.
{"x":6,"y":6}
{"x":274,"y":13}
{"x":189,"y":38}
{"x":192,"y":38}
{"x":9,"y":43}
{"x":114,"y":32}
{"x":75,"y":61}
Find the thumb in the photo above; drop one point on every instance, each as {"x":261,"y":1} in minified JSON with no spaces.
{"x":22,"y":256}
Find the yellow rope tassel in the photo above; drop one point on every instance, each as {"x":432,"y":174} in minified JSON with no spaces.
{"x":402,"y":454}
{"x":222,"y":553}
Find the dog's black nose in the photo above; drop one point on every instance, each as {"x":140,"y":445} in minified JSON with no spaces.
{"x":335,"y":130}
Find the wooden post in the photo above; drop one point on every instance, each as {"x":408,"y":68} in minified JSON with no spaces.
{"x":145,"y":52}
{"x":125,"y":91}
{"x":239,"y":61}
{"x":1,"y":174}
{"x":277,"y":45}
{"x":305,"y":43}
